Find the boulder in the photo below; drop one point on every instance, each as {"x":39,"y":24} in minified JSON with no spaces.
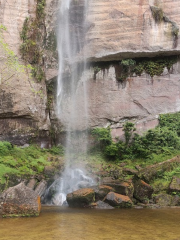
{"x":118,"y":200}
{"x":101,"y":191}
{"x":175,"y":201}
{"x":124,"y":188}
{"x":20,"y":201}
{"x":174,"y":186}
{"x":41,"y":188}
{"x":81,"y":198}
{"x":151,"y":172}
{"x":163,"y":199}
{"x":142,"y":190}
{"x":130,"y":171}
{"x":32,"y":183}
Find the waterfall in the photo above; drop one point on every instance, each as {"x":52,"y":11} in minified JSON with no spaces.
{"x":70,"y":39}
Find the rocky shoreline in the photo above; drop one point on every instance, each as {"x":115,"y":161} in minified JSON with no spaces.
{"x":110,"y":191}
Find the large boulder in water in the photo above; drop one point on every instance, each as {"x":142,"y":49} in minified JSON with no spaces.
{"x":124,"y":188}
{"x":20,"y":201}
{"x":101,"y":191}
{"x":81,"y":198}
{"x":118,"y":200}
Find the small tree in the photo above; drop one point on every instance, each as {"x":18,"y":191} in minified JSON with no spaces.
{"x":128,"y":129}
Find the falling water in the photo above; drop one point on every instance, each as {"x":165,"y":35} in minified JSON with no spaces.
{"x":71,"y":38}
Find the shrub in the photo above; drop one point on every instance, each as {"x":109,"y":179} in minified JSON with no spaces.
{"x":103,"y":136}
{"x":5,"y":148}
{"x":164,"y":139}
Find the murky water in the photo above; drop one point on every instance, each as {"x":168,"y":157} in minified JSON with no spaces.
{"x":87,"y":224}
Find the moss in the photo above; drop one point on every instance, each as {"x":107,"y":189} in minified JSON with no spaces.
{"x":157,"y":13}
{"x":40,"y":13}
{"x":32,"y":36}
{"x":51,"y":42}
{"x":38,"y":73}
{"x":151,"y":66}
{"x":175,"y":28}
{"x":159,"y":16}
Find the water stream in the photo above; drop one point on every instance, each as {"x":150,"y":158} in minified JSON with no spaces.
{"x":70,"y":39}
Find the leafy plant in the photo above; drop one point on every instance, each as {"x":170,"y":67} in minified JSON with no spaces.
{"x":128,"y":62}
{"x":103,"y":136}
{"x":17,"y":161}
{"x":161,"y":141}
{"x":128,"y":129}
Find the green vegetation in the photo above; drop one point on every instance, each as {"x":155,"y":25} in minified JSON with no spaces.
{"x":10,"y":65}
{"x":151,"y":66}
{"x":40,"y":9}
{"x":32,"y":36}
{"x":154,"y":146}
{"x":162,"y":141}
{"x":19,"y":162}
{"x":96,"y":70}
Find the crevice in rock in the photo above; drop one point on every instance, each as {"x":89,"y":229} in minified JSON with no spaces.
{"x":141,"y":106}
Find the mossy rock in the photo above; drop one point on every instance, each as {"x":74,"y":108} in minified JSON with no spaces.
{"x":20,"y":201}
{"x":174,"y":186}
{"x":151,"y":172}
{"x":142,"y":190}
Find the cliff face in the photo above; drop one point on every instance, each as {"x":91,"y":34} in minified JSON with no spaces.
{"x":115,"y":30}
{"x":121,"y":29}
{"x":23,"y":115}
{"x":126,"y":29}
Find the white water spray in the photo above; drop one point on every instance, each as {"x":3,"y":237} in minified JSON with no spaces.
{"x":71,"y":37}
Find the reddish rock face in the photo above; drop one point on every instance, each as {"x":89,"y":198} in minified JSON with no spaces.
{"x":118,"y":200}
{"x":81,"y":198}
{"x":115,"y":30}
{"x":124,"y":188}
{"x":20,"y":201}
{"x":101,"y":191}
{"x":126,"y":29}
{"x":23,"y":113}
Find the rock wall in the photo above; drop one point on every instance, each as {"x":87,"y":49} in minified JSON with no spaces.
{"x":23,"y":114}
{"x":137,"y":99}
{"x":115,"y":30}
{"x":126,"y":29}
{"x":120,"y":29}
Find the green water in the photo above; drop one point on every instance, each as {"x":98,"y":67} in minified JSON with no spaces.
{"x":87,"y":224}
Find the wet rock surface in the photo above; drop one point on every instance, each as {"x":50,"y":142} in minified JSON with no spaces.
{"x":81,"y":198}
